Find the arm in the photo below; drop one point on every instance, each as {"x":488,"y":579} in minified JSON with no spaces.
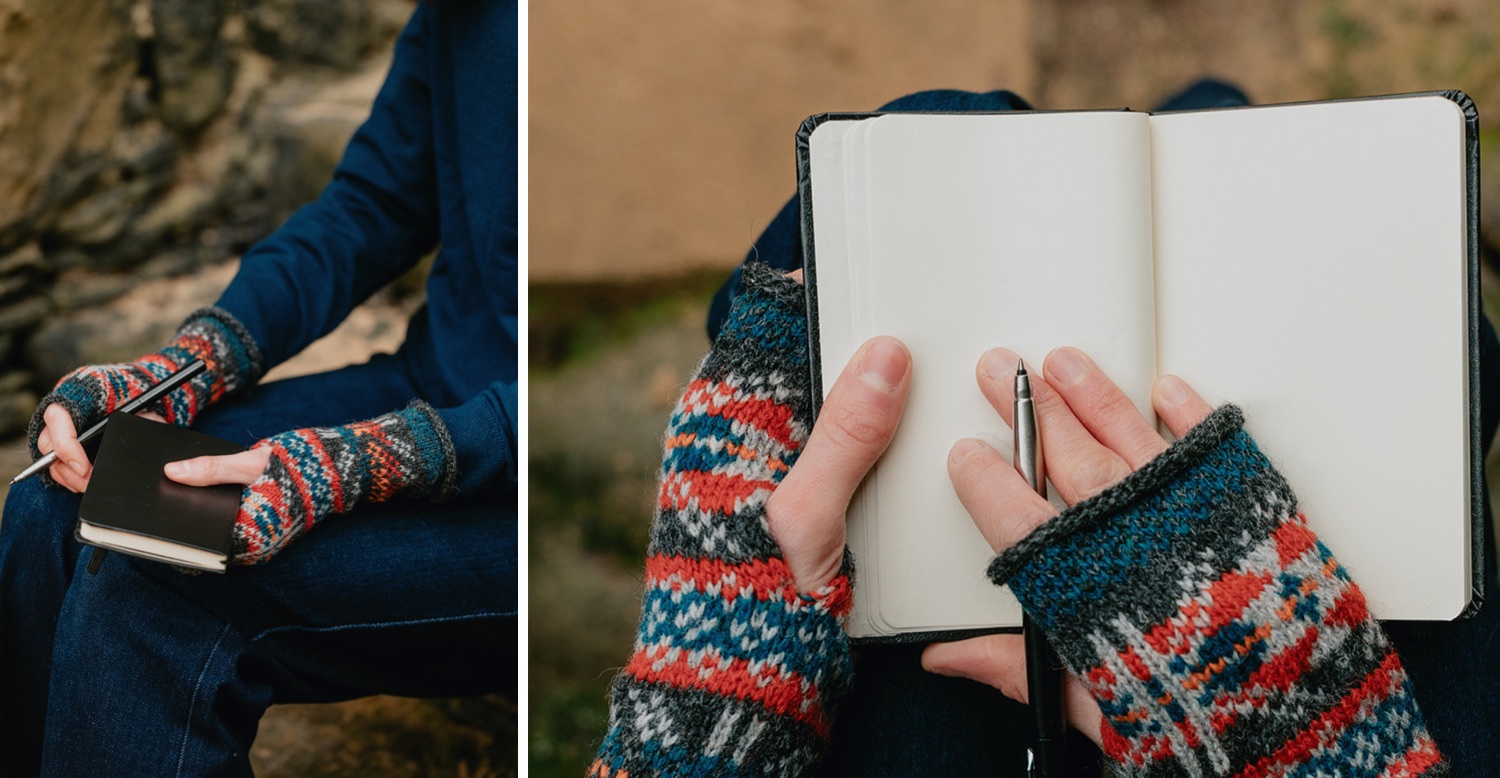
{"x":376,"y":218}
{"x":1209,"y":632}
{"x":740,"y":658}
{"x":297,"y":479}
{"x":484,"y":437}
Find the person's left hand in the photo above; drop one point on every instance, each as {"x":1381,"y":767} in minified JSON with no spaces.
{"x":296,"y":479}
{"x":242,"y":468}
{"x":859,"y":418}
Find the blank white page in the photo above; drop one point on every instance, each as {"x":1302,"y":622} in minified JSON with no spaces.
{"x":1311,"y":266}
{"x":957,"y":234}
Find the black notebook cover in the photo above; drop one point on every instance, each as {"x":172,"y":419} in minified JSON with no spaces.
{"x":129,"y":492}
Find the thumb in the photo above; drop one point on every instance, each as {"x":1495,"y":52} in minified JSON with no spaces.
{"x":1000,"y":661}
{"x":858,"y":420}
{"x":242,"y":468}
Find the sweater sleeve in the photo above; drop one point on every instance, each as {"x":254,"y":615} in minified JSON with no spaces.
{"x":734,"y":672}
{"x":483,"y":431}
{"x":1217,"y":633}
{"x":377,"y":218}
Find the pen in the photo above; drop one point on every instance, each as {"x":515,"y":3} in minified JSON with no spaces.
{"x":1044,"y":678}
{"x":146,"y":398}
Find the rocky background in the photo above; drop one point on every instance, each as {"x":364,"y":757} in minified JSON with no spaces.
{"x":143,"y":145}
{"x":661,"y":144}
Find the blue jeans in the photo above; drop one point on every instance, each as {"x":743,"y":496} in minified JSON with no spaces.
{"x":146,"y":670}
{"x":901,"y":720}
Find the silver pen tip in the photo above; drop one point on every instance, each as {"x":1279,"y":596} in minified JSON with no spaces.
{"x":1020,"y":366}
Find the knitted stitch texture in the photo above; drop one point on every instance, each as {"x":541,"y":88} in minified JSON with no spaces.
{"x":734,"y":672}
{"x":320,"y":471}
{"x":1217,"y":633}
{"x":211,"y":334}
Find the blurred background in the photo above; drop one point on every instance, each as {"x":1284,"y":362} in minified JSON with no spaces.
{"x":662,"y":143}
{"x":143,"y":145}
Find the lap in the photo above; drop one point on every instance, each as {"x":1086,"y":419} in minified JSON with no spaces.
{"x":406,"y":597}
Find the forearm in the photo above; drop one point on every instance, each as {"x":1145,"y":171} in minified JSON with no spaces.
{"x":376,"y":219}
{"x":1217,"y":634}
{"x":734,"y":671}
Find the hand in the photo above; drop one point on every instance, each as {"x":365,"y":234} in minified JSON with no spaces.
{"x":858,"y":420}
{"x":1092,"y":438}
{"x":72,"y":470}
{"x":243,"y":468}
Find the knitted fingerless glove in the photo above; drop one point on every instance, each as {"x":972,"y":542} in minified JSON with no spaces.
{"x":1217,"y":634}
{"x":213,"y":335}
{"x":325,"y":470}
{"x":734,"y":671}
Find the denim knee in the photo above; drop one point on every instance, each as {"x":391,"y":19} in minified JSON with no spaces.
{"x":38,"y":519}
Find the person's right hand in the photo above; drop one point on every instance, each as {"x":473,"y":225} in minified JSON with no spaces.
{"x":1093,"y":437}
{"x":90,"y":393}
{"x":72,"y":469}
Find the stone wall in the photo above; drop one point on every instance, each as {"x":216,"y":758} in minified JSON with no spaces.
{"x":151,"y":139}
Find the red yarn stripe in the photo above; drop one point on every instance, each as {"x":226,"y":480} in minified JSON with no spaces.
{"x":713,"y":492}
{"x":717,"y":399}
{"x":1335,"y":720}
{"x":781,"y":694}
{"x":767,"y":579}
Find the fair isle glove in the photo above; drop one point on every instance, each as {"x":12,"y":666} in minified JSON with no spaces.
{"x":317,"y":472}
{"x":734,"y":671}
{"x":1216,"y":632}
{"x":211,"y":334}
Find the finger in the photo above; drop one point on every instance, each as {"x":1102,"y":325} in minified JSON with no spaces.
{"x":1103,"y":409}
{"x":999,"y":500}
{"x":152,"y":415}
{"x":67,"y":478}
{"x":1077,"y":464}
{"x":1000,"y":661}
{"x":241,"y":468}
{"x":65,"y":441}
{"x":1178,"y":404}
{"x":857,"y":422}
{"x":795,"y":275}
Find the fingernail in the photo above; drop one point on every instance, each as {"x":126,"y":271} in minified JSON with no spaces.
{"x":1171,"y":390}
{"x":1066,"y":366}
{"x":964,"y":449}
{"x":77,"y":467}
{"x":176,"y":468}
{"x":945,"y":671}
{"x":998,"y":364}
{"x":883,"y":365}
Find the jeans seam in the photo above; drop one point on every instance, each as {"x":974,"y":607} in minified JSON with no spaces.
{"x":193,"y":702}
{"x":380,"y":624}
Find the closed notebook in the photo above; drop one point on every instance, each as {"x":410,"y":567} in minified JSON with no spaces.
{"x":132,"y":507}
{"x":1315,"y":263}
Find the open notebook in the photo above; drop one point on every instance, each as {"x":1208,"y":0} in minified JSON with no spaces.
{"x":1314,"y":263}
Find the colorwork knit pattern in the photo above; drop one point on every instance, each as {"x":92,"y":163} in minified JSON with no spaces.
{"x":734,"y":672}
{"x":1216,"y":632}
{"x":94,"y":391}
{"x":326,"y":470}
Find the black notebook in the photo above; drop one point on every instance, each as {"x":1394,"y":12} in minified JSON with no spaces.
{"x":1315,"y":263}
{"x":132,"y":507}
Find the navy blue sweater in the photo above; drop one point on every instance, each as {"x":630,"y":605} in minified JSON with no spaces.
{"x":434,"y":165}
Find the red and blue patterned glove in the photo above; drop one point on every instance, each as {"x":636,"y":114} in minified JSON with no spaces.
{"x":94,"y":391}
{"x":734,"y":671}
{"x":1216,"y":632}
{"x":314,"y":473}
